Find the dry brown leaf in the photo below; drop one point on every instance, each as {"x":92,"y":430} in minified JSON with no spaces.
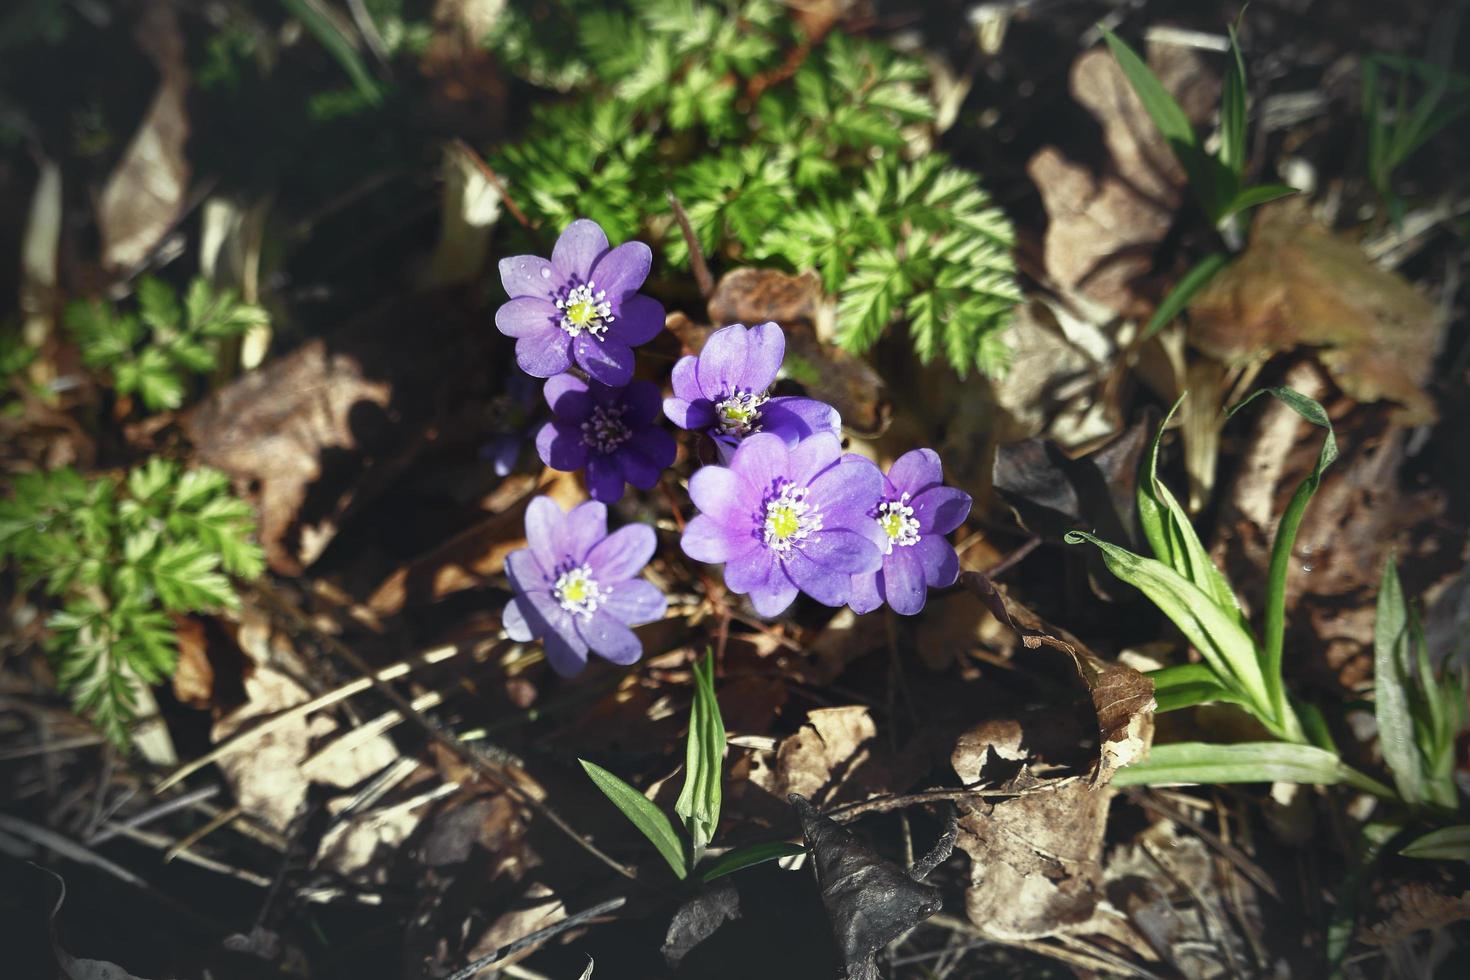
{"x":193,"y":679}
{"x":1299,"y":285}
{"x":1034,"y":867}
{"x":832,"y":759}
{"x":147,"y":190}
{"x":1103,"y":228}
{"x":1412,"y":908}
{"x":1122,"y":697}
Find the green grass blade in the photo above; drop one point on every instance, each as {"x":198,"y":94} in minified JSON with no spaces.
{"x":339,"y":47}
{"x":1245,"y":762}
{"x":745,"y":857}
{"x":1233,"y":111}
{"x":1254,"y":197}
{"x":1186,"y":685}
{"x":1391,"y":702}
{"x":1281,"y":549}
{"x":704,"y":755}
{"x":1185,"y":290}
{"x":641,"y":812}
{"x":1445,"y":844}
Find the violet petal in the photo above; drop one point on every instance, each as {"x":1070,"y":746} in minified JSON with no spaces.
{"x":622,"y":554}
{"x":578,"y":249}
{"x":526,"y":315}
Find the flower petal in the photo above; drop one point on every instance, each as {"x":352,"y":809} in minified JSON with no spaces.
{"x":903,"y":581}
{"x":656,"y":445}
{"x":848,"y":492}
{"x":609,"y":638}
{"x":865,"y":595}
{"x":941,"y":564}
{"x":849,"y":552}
{"x":568,"y":397}
{"x":705,"y":539}
{"x":828,"y":585}
{"x":544,"y":520}
{"x":755,"y":570}
{"x":637,"y":467}
{"x":721,"y":367}
{"x":513,"y":621}
{"x":639,"y":319}
{"x":584,"y":526}
{"x":765,"y":349}
{"x":635,"y":602}
{"x":763,"y":461}
{"x":526,"y":315}
{"x":793,"y":418}
{"x":545,"y":353}
{"x":608,"y":360}
{"x":560,"y":446}
{"x":622,"y":554}
{"x":916,"y":470}
{"x":566,"y":652}
{"x":526,"y":573}
{"x":545,"y":618}
{"x":814,"y":454}
{"x":723,"y":494}
{"x":684,"y":380}
{"x":578,"y":249}
{"x":604,"y":478}
{"x":774,"y":598}
{"x":502,"y":452}
{"x":941,"y":509}
{"x":690,"y":415}
{"x":622,"y":270}
{"x":528,"y":275}
{"x":643,"y":402}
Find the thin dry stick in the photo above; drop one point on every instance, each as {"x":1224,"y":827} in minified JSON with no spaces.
{"x":44,"y":748}
{"x":254,"y":734}
{"x":494,"y":180}
{"x":1212,"y":922}
{"x":696,"y":255}
{"x":540,"y":935}
{"x":883,"y":804}
{"x":1070,"y":957}
{"x":466,"y":753}
{"x":215,"y":823}
{"x":113,"y":827}
{"x":1247,"y":867}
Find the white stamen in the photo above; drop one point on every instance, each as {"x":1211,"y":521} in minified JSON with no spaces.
{"x":898,"y":522}
{"x":585,"y":307}
{"x":790,"y":519}
{"x":605,"y":431}
{"x":739,"y":414}
{"x":577,"y":591}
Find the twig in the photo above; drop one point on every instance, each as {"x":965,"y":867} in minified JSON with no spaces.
{"x":494,"y":180}
{"x":1247,"y":867}
{"x":214,"y":823}
{"x":696,"y":255}
{"x":45,"y":748}
{"x":466,"y":753}
{"x":268,"y":725}
{"x":540,"y":935}
{"x":1088,"y":960}
{"x":1014,"y":558}
{"x":1212,"y":921}
{"x":884,"y":804}
{"x":114,"y":827}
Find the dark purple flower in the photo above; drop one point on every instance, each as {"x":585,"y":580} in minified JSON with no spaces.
{"x":787,"y":520}
{"x":581,"y":306}
{"x":575,"y":586}
{"x":724,"y":392}
{"x":613,"y":432}
{"x":512,"y":417}
{"x":913,"y":512}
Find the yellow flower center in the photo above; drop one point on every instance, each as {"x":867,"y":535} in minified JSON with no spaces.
{"x":897,"y":520}
{"x":789,"y":519}
{"x":577,"y":592}
{"x":585,"y":307}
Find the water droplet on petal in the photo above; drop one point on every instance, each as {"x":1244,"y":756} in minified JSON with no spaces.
{"x":545,"y":273}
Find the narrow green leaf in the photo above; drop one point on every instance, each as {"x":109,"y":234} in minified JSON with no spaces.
{"x":1281,"y":548}
{"x":641,"y":812}
{"x":1254,"y":196}
{"x":1170,"y":534}
{"x":704,"y":759}
{"x":745,"y":857}
{"x":1245,"y":762}
{"x":1186,"y":685}
{"x":1233,"y":111}
{"x":1225,"y":645}
{"x":1391,"y":704}
{"x":339,"y":47}
{"x":1185,"y":290}
{"x":1445,"y":844}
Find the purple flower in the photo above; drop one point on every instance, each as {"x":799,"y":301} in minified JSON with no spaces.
{"x":724,"y":391}
{"x":582,"y":306}
{"x":913,"y":512}
{"x":511,"y":418}
{"x":787,"y":520}
{"x":575,"y":586}
{"x":612,"y":432}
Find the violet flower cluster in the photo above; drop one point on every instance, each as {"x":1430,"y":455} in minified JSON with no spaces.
{"x":784,"y":510}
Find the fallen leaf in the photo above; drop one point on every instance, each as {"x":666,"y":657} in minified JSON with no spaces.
{"x":832,"y":758}
{"x":1102,"y":229}
{"x":71,"y":967}
{"x":698,"y":918}
{"x":1411,"y":908}
{"x":870,"y":901}
{"x":1298,"y":285}
{"x":193,"y":679}
{"x":147,"y":191}
{"x":1122,"y":698}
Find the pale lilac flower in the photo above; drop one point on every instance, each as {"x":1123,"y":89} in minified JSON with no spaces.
{"x":583,"y":306}
{"x":575,"y":586}
{"x":724,"y":392}
{"x":784,"y":520}
{"x":612,"y":432}
{"x":913,"y":511}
